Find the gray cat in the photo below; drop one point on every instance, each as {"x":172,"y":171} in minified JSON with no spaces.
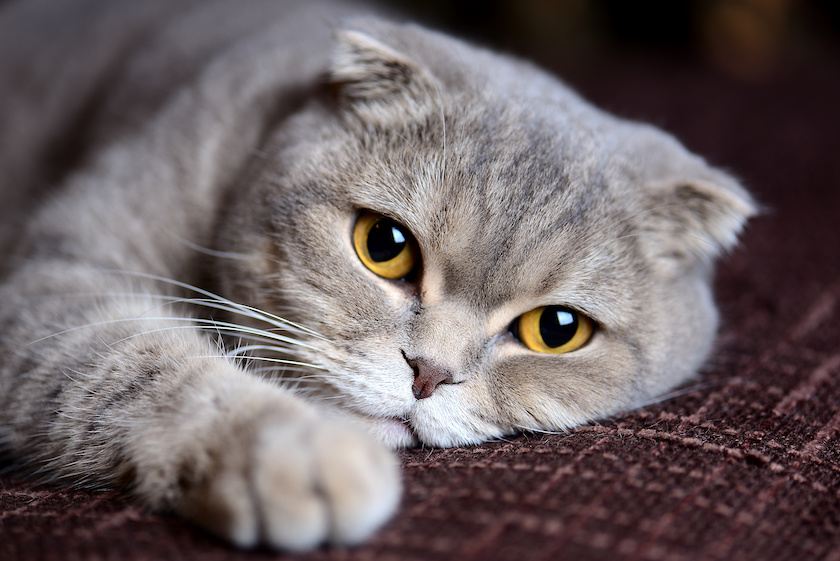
{"x":246,"y":248}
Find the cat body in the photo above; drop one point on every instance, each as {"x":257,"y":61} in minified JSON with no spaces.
{"x":196,"y":306}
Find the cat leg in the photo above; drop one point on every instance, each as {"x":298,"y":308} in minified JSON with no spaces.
{"x":118,"y":391}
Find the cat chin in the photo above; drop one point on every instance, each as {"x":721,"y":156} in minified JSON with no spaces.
{"x":393,"y":432}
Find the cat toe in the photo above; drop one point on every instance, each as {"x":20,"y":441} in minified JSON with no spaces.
{"x":294,"y":516}
{"x":360,"y":481}
{"x":324,"y":484}
{"x":223,"y":505}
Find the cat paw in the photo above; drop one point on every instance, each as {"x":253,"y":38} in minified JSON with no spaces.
{"x":295,"y":486}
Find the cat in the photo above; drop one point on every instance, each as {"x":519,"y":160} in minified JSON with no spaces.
{"x":248,"y":247}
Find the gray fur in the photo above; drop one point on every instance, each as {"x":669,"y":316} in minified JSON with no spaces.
{"x":135,"y":134}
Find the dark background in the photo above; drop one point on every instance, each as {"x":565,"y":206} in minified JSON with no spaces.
{"x":751,"y":40}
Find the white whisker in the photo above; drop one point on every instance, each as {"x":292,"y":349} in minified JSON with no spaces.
{"x":215,"y":299}
{"x":192,"y":323}
{"x":207,"y":250}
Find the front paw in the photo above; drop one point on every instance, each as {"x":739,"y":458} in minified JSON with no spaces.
{"x":292,"y":484}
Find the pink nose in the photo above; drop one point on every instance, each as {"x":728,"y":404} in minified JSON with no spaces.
{"x":427,"y":377}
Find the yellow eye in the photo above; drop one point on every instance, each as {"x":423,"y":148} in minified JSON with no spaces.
{"x":385,"y":247}
{"x":553,"y":329}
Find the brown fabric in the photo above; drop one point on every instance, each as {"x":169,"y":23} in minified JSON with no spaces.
{"x":743,"y":465}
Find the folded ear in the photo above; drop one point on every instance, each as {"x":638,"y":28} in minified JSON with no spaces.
{"x":366,"y":73}
{"x":693,"y":219}
{"x":691,"y":212}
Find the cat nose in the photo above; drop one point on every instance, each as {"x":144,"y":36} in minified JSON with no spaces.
{"x":427,"y":377}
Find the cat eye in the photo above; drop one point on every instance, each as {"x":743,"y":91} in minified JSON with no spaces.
{"x":553,"y":329}
{"x":385,"y":247}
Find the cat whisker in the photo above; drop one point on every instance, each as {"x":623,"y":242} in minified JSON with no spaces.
{"x":245,"y":330}
{"x":222,"y":305}
{"x":189,"y":323}
{"x":207,"y":250}
{"x":280,"y":373}
{"x":234,"y":307}
{"x":278,"y":322}
{"x":286,"y":361}
{"x":244,"y":351}
{"x":263,"y":336}
{"x":688,"y":390}
{"x":312,"y":380}
{"x":313,"y":393}
{"x":267,"y":359}
{"x":531,"y":430}
{"x":212,"y":304}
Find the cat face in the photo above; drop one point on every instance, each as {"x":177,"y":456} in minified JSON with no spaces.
{"x":478,"y":249}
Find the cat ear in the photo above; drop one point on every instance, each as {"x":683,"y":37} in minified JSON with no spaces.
{"x":694,"y":219}
{"x":366,"y":71}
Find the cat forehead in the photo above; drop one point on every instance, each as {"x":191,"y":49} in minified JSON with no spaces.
{"x":476,"y":154}
{"x":497,"y":222}
{"x":506,"y":199}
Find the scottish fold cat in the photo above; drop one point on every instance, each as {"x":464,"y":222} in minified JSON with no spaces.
{"x":248,"y":247}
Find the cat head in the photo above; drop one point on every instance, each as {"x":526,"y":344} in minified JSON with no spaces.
{"x":479,"y":250}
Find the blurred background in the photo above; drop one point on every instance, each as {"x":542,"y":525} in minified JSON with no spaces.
{"x":749,"y":40}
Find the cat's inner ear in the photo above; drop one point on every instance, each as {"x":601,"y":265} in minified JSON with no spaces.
{"x":693,"y":219}
{"x":367,"y":72}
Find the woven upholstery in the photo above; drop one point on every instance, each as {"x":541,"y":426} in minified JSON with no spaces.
{"x":743,"y":465}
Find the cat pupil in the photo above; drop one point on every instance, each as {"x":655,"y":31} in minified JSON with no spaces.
{"x":385,"y":241}
{"x":558,"y":326}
